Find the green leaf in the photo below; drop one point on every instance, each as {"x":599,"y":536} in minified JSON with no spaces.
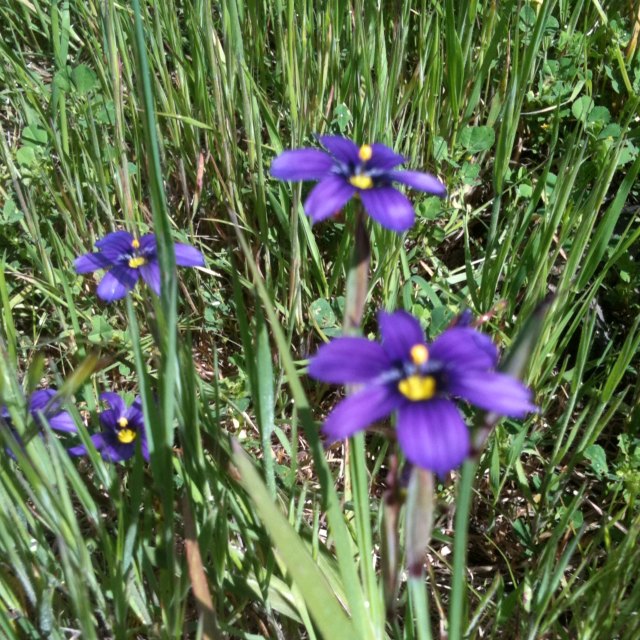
{"x":440,"y":149}
{"x":325,"y":609}
{"x":612,"y":130}
{"x":476,"y":139}
{"x":342,"y":117}
{"x":582,"y":107}
{"x":322,"y":313}
{"x":61,"y":81}
{"x":598,"y":459}
{"x":101,"y":330}
{"x":431,"y":208}
{"x":26,"y":156}
{"x":32,"y":135}
{"x":600,"y":115}
{"x":84,"y":79}
{"x":10,"y":213}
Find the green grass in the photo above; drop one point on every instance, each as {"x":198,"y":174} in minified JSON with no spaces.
{"x":528,"y":113}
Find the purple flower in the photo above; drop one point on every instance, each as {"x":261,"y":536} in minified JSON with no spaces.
{"x":420,"y":381}
{"x":345,"y":170}
{"x":122,"y":427}
{"x":126,"y":258}
{"x":42,"y":403}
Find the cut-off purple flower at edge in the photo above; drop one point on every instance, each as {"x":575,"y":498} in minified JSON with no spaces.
{"x":127,"y":258}
{"x":420,"y":382}
{"x":122,"y":427}
{"x":346,"y":170}
{"x":42,"y":403}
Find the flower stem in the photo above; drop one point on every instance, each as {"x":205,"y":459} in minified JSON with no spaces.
{"x":357,"y":278}
{"x":458,"y":584}
{"x":356,"y":475}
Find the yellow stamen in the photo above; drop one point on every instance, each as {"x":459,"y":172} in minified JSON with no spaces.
{"x":123,"y":422}
{"x":365,"y":152}
{"x":419,"y":354}
{"x":136,"y":262}
{"x":361,"y":181}
{"x":135,"y":243}
{"x":418,"y":387}
{"x":126,"y":436}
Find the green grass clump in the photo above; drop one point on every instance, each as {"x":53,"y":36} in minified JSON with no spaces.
{"x":167,"y":117}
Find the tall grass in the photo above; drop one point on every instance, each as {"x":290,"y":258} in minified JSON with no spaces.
{"x":166,"y":116}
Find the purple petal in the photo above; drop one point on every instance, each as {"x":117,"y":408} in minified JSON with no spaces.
{"x":39,"y":400}
{"x":399,"y":331}
{"x":116,"y":283}
{"x":389,"y":207}
{"x":144,"y":447}
{"x":91,"y":262}
{"x":341,"y":148}
{"x":134,"y":415}
{"x":301,"y":164}
{"x":109,"y":419}
{"x":492,"y":391}
{"x":150,"y":273}
{"x":188,"y":256}
{"x":433,"y":435}
{"x":466,"y":348}
{"x":112,"y":452}
{"x":328,"y":197}
{"x":78,"y":450}
{"x":348,"y":360}
{"x":383,"y":157}
{"x":148,"y":245}
{"x":63,"y":422}
{"x":115,"y":402}
{"x":419,"y":180}
{"x":361,"y":409}
{"x":115,"y":245}
{"x":463,"y":319}
{"x":81,"y":450}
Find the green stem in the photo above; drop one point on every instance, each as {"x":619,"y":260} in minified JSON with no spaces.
{"x":356,"y":477}
{"x":458,"y":583}
{"x":420,"y":606}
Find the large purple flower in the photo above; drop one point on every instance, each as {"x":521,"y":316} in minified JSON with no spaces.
{"x":126,"y":258}
{"x":122,"y":427}
{"x":420,"y":382}
{"x":345,"y":170}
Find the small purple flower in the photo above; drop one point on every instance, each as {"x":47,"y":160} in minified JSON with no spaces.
{"x":345,"y":170}
{"x":126,"y":258}
{"x":42,"y":403}
{"x":122,"y":427}
{"x":420,"y":381}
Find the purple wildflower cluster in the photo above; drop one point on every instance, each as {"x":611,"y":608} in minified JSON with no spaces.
{"x":122,"y":426}
{"x":403,"y":374}
{"x":420,"y":382}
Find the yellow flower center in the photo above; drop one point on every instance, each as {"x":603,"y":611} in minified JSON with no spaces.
{"x":123,"y":422}
{"x":126,"y":436}
{"x":136,"y":262}
{"x":418,"y":387}
{"x":361,"y":181}
{"x":419,"y":354}
{"x":135,"y":243}
{"x":365,"y":152}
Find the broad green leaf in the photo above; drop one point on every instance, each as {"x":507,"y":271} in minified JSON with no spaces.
{"x":84,"y":79}
{"x":476,"y":139}
{"x":582,"y":107}
{"x":321,"y":601}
